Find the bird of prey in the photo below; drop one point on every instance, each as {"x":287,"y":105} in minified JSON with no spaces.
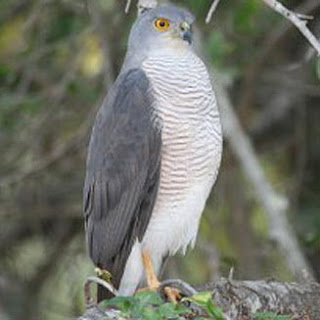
{"x":154,"y":153}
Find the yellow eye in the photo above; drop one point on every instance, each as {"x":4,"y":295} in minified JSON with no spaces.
{"x":162,"y":24}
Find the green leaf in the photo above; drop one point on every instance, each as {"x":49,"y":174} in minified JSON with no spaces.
{"x":204,"y":300}
{"x":137,"y":310}
{"x":214,"y":311}
{"x":170,"y":310}
{"x":150,"y":313}
{"x":200,"y":298}
{"x":283,"y":317}
{"x":181,"y":308}
{"x":148,"y":298}
{"x":122,"y":303}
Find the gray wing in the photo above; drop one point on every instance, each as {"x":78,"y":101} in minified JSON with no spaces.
{"x":123,"y":169}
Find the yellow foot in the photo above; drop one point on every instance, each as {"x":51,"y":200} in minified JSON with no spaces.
{"x":153,"y":282}
{"x":103,"y":274}
{"x":172,"y":294}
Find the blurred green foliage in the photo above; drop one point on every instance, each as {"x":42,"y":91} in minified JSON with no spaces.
{"x":150,"y":306}
{"x":52,"y":79}
{"x":145,"y":305}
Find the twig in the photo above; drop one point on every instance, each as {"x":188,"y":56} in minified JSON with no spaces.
{"x":231,"y":272}
{"x":212,"y":10}
{"x":297,"y":19}
{"x":88,"y":300}
{"x":270,"y":44}
{"x":126,"y":10}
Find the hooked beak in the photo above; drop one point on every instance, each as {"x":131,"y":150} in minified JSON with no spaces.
{"x":186,"y":32}
{"x":187,"y":36}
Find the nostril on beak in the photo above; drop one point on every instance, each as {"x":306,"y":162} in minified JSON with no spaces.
{"x":186,"y":33}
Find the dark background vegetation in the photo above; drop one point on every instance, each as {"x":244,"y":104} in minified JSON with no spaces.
{"x":57,"y":61}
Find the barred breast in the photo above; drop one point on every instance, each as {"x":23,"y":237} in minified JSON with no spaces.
{"x":186,"y":109}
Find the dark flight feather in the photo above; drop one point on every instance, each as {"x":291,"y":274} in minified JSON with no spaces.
{"x":123,"y":172}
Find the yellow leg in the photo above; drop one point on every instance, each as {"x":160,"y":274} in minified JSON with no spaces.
{"x":152,"y":280}
{"x":172,"y":294}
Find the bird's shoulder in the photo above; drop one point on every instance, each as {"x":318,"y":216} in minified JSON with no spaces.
{"x":123,"y":120}
{"x":133,"y":85}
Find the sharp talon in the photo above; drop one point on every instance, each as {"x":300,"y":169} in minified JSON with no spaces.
{"x":172,"y":294}
{"x":185,"y":289}
{"x":103,"y":274}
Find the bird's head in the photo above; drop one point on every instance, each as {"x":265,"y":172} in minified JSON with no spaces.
{"x":162,"y":28}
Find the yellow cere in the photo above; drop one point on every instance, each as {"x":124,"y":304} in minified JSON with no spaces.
{"x":162,"y":24}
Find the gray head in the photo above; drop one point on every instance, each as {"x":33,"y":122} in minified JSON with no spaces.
{"x":161,"y":28}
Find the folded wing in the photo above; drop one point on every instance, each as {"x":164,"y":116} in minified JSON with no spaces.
{"x":123,"y":171}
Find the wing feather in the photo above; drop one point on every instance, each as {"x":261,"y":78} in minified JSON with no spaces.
{"x":123,"y":170}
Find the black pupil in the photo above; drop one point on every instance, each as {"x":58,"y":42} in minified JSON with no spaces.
{"x":162,"y":24}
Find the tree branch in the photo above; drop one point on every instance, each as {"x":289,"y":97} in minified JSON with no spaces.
{"x":298,"y":20}
{"x":212,"y":10}
{"x":244,"y":299}
{"x":127,"y":6}
{"x":253,"y":70}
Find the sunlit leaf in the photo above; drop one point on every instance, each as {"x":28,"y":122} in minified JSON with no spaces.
{"x":214,"y":311}
{"x":200,"y":298}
